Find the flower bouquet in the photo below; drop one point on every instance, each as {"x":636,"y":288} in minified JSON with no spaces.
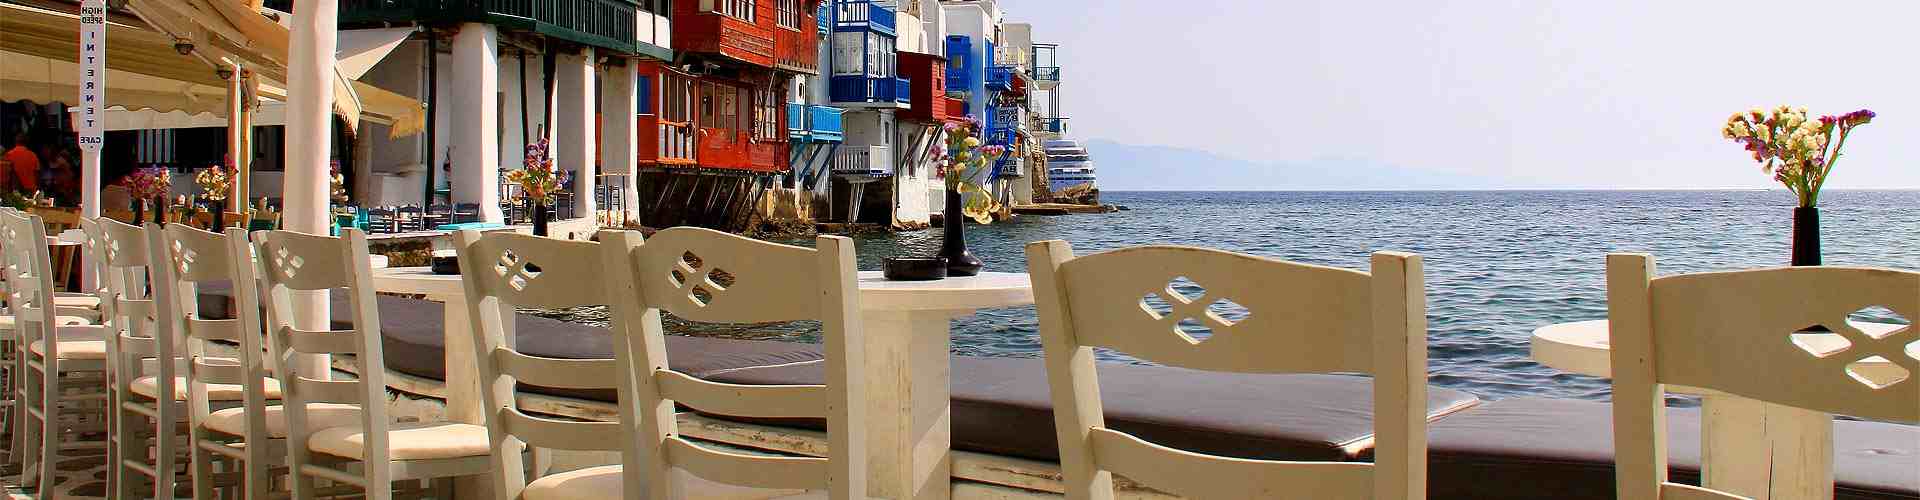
{"x":149,"y":184}
{"x":538,"y":181}
{"x":1799,"y":152}
{"x":966,"y":166}
{"x":216,"y":182}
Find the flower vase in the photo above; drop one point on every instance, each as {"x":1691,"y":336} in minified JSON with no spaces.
{"x":953,"y":240}
{"x":219,"y":215}
{"x":541,"y":212}
{"x":1806,"y":236}
{"x":160,"y":209}
{"x":139,"y":212}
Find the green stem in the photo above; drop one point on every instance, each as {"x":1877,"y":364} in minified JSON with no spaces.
{"x":1832,"y":158}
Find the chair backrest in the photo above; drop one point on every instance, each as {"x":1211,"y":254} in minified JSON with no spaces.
{"x":708,"y":276}
{"x":29,"y":273}
{"x":1746,"y":333}
{"x":119,"y":252}
{"x":505,"y":270}
{"x":1291,"y":318}
{"x":190,"y":258}
{"x":289,"y":264}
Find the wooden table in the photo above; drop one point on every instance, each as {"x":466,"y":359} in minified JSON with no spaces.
{"x":909,"y":374}
{"x":908,"y":368}
{"x":1751,"y":448}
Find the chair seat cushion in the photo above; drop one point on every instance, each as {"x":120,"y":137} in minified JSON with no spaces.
{"x":233,"y":421}
{"x":7,"y":323}
{"x":1001,"y":406}
{"x":604,"y":483}
{"x":77,"y":342}
{"x":1557,"y":448}
{"x":149,"y":386}
{"x":405,"y":441}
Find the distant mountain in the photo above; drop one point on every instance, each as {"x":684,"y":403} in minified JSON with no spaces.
{"x":1132,"y":167}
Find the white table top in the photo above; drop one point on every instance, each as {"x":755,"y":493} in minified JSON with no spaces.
{"x":988,"y":290}
{"x":1582,"y":346}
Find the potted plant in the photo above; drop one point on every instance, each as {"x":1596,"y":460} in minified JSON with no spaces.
{"x":538,"y":181}
{"x":1799,"y":152}
{"x":217,"y":183}
{"x":337,"y":195}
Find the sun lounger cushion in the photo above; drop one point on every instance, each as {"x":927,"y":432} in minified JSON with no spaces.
{"x":1563,"y":449}
{"x":414,"y":345}
{"x":1001,"y":407}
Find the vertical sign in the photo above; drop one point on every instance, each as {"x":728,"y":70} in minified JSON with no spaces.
{"x":93,"y":73}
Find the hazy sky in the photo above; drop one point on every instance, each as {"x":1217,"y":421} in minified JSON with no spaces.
{"x":1614,"y":93}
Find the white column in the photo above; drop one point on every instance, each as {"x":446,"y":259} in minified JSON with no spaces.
{"x":474,"y":111}
{"x":617,"y":111}
{"x":235,"y":134}
{"x":574,"y":125}
{"x":309,"y":139}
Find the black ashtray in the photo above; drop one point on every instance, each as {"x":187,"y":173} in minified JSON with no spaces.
{"x":449,"y":264}
{"x":915,"y":268}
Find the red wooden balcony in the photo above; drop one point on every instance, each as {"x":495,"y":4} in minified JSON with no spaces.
{"x":713,"y":33}
{"x":797,"y":51}
{"x":927,"y":75}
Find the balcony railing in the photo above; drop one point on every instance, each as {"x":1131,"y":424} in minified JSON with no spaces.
{"x":856,"y":15}
{"x":1047,"y":74}
{"x":1000,"y":77}
{"x":815,"y":123}
{"x":862,"y":160}
{"x":956,"y":108}
{"x":1054,"y":125}
{"x":796,"y":51}
{"x":602,"y":23}
{"x":866,"y":89}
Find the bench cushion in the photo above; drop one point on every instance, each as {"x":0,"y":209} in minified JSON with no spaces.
{"x":1001,"y":406}
{"x":1558,"y":448}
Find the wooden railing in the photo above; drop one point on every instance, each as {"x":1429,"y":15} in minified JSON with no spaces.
{"x":602,"y":23}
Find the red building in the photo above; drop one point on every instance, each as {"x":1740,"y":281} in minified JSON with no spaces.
{"x":713,"y":122}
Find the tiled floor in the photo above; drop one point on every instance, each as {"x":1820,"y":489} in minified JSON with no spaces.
{"x":81,"y":475}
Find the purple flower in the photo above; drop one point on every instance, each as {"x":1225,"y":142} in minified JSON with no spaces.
{"x":1858,"y":118}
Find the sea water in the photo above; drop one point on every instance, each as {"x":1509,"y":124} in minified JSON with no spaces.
{"x":1498,"y":263}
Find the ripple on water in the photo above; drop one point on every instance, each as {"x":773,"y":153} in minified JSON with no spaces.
{"x":1498,"y":263}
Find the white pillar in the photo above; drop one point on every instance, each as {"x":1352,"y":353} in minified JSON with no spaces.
{"x":236,"y":136}
{"x":309,"y":139}
{"x":574,"y":125}
{"x":617,"y":111}
{"x":474,"y":110}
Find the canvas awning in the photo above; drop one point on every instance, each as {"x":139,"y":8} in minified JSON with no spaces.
{"x":145,"y":72}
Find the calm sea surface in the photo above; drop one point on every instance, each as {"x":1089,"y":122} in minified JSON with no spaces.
{"x":1499,"y":263}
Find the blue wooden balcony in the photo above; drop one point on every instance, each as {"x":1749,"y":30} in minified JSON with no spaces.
{"x":1054,"y":125}
{"x":863,"y":15}
{"x":859,"y":89}
{"x":609,"y":24}
{"x":1000,"y":78}
{"x":820,"y":16}
{"x":815,"y":123}
{"x":961,"y":65}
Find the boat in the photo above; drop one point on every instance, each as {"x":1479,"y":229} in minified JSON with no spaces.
{"x":1068,"y":165}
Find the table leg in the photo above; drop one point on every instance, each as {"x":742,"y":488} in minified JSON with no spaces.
{"x":909,"y":411}
{"x":463,"y":387}
{"x":1762,"y":451}
{"x":1733,"y":448}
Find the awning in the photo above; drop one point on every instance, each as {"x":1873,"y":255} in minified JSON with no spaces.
{"x":145,"y":73}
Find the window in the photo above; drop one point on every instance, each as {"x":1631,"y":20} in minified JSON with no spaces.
{"x":789,"y":11}
{"x":643,"y":95}
{"x":766,"y":115}
{"x":676,"y":101}
{"x":720,"y":107}
{"x":849,"y":49}
{"x":738,"y":9}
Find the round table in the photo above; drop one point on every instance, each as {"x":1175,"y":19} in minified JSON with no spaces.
{"x":1750,"y":448}
{"x":905,"y":324}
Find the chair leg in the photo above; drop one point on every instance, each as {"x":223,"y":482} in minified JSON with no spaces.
{"x":166,"y":445}
{"x":202,"y":467}
{"x":131,"y":444}
{"x":31,"y":428}
{"x":50,"y":428}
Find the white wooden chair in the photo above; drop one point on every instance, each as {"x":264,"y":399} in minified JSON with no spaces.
{"x":56,"y":402}
{"x":1741,"y":333}
{"x":372,"y":452}
{"x":1298,"y":318}
{"x":229,"y":414}
{"x":710,"y":276}
{"x":502,"y":271}
{"x":118,"y":253}
{"x":68,"y":315}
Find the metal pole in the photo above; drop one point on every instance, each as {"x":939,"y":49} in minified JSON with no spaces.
{"x":433,"y":112}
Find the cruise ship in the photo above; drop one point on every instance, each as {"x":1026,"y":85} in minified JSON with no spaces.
{"x":1067,"y":165}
